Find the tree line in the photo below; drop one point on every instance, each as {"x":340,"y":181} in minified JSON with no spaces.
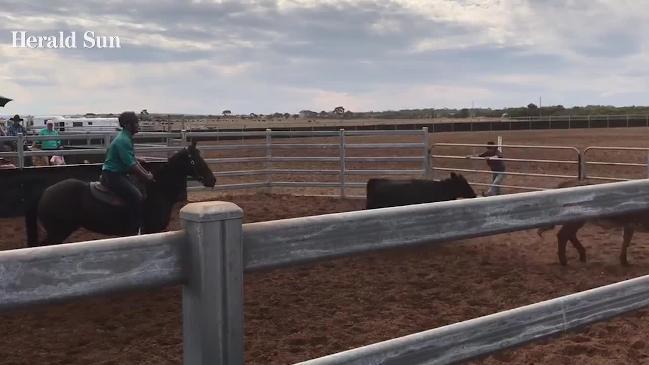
{"x":531,"y":110}
{"x":339,"y":112}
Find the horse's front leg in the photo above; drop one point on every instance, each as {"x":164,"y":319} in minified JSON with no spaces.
{"x":628,"y":235}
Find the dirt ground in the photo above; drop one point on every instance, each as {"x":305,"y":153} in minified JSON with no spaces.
{"x":302,"y":312}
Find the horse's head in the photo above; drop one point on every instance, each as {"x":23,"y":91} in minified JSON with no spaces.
{"x":195,"y":166}
{"x":460,"y":187}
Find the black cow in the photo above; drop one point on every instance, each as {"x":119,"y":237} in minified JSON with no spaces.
{"x":382,"y":193}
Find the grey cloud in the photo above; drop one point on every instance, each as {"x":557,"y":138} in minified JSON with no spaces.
{"x":613,"y":45}
{"x":319,"y":32}
{"x":352,"y":47}
{"x":32,"y":81}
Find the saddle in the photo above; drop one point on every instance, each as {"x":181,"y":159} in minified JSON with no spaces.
{"x":103,"y":194}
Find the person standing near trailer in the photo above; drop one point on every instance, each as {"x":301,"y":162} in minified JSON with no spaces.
{"x":14,"y":129}
{"x":494,"y":160}
{"x":4,"y":147}
{"x":51,"y":144}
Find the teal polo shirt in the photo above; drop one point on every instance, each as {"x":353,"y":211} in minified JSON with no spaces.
{"x":51,"y":144}
{"x":120,"y":156}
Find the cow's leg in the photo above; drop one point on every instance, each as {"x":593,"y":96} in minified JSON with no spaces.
{"x":568,"y":232}
{"x":628,"y":235}
{"x":580,"y":248}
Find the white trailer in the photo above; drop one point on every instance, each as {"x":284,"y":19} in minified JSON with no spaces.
{"x":66,"y":125}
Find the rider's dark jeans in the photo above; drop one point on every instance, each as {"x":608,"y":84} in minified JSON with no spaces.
{"x":121,"y":185}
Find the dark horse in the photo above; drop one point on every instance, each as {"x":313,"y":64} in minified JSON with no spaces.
{"x":69,"y":205}
{"x":630,"y":223}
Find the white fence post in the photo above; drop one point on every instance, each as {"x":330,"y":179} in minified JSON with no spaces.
{"x":648,"y":165}
{"x":431,"y":176}
{"x":584,"y":163}
{"x":170,"y":143}
{"x":581,"y":166}
{"x":500,"y":144}
{"x":20,"y":152}
{"x":106,"y":141}
{"x":427,"y":152}
{"x":342,"y":163}
{"x":269,"y":159}
{"x":213,"y":291}
{"x":183,"y":138}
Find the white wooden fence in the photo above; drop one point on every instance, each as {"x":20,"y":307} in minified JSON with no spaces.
{"x":209,"y":258}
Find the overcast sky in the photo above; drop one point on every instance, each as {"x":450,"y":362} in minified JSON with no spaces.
{"x":262,"y":56}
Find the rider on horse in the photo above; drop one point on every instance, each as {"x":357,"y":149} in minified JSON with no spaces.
{"x":120,"y":161}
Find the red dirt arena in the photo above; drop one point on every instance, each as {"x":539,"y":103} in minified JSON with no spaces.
{"x":303,"y":312}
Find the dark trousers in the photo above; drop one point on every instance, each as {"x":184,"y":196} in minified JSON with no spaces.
{"x":121,"y":185}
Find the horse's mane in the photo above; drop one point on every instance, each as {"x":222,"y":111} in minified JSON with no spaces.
{"x":176,"y":156}
{"x":172,"y":161}
{"x":169,"y":169}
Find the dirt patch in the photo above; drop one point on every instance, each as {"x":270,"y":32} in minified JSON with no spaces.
{"x":303,"y":312}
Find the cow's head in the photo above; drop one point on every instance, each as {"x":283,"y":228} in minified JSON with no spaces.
{"x":461,"y":188}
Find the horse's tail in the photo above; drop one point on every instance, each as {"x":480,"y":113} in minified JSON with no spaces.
{"x":31,"y":224}
{"x":542,"y":230}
